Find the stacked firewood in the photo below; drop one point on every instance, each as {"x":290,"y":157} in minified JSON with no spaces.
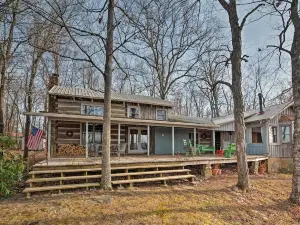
{"x":70,"y":150}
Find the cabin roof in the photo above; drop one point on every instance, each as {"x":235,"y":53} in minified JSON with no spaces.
{"x":189,"y":119}
{"x":88,"y":93}
{"x":253,"y":116}
{"x":230,"y":118}
{"x":269,"y":112}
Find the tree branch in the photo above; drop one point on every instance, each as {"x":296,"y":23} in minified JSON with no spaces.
{"x":248,"y":14}
{"x":222,"y":82}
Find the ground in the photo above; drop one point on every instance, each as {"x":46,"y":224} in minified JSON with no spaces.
{"x":212,"y":201}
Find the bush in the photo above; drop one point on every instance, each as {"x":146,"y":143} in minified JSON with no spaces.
{"x":11,"y":169}
{"x":8,"y":142}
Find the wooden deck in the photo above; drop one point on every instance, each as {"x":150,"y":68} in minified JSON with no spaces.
{"x":141,"y":159}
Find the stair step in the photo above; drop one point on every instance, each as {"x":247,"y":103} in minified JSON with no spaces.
{"x":150,"y":172}
{"x":152,"y":179}
{"x":99,"y":169}
{"x":49,"y":179}
{"x":60,"y":187}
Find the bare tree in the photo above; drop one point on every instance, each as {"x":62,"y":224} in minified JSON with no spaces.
{"x":9,"y":20}
{"x":106,"y":171}
{"x":170,"y":38}
{"x":236,"y":88}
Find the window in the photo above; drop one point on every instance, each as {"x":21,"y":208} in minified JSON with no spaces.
{"x":161,"y":114}
{"x":256,"y":135}
{"x":133,"y":112}
{"x":286,"y":134}
{"x":94,"y":133}
{"x":95,"y":110}
{"x":273,"y":134}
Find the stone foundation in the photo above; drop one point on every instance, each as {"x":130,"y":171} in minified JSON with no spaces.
{"x":206,"y":170}
{"x":280,"y":165}
{"x":253,"y":169}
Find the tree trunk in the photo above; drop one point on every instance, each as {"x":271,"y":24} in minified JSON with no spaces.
{"x":34,"y":67}
{"x":236,"y":87}
{"x":6,"y":58}
{"x":106,"y":171}
{"x":295,"y":61}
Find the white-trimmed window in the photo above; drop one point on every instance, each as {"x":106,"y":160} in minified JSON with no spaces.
{"x":273,"y":134}
{"x":286,"y":134}
{"x":95,"y":110}
{"x":161,"y":114}
{"x":133,"y":112}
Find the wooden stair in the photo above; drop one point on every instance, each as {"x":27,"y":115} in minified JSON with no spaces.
{"x":90,"y":177}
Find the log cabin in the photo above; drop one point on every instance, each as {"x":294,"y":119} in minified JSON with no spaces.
{"x":145,"y":125}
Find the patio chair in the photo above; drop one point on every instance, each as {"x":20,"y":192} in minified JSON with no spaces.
{"x":122,"y":149}
{"x":185,"y":147}
{"x":230,"y":150}
{"x":206,"y":148}
{"x":193,"y":150}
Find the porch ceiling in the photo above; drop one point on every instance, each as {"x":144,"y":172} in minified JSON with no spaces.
{"x":85,"y":118}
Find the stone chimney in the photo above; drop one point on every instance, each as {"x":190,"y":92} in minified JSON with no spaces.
{"x":260,"y":99}
{"x":53,"y":80}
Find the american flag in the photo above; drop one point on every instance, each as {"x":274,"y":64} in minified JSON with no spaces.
{"x":34,"y":139}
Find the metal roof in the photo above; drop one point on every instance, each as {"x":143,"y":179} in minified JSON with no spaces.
{"x":253,"y":116}
{"x":88,"y":93}
{"x":230,"y":118}
{"x":189,"y":119}
{"x":269,"y":112}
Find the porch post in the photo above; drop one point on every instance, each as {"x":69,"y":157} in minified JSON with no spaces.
{"x":213,"y":137}
{"x":148,"y":141}
{"x":49,"y":138}
{"x":119,"y":138}
{"x":86,"y":140}
{"x":173,"y":141}
{"x":195,"y":143}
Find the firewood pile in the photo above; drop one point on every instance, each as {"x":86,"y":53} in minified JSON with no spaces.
{"x":70,"y":150}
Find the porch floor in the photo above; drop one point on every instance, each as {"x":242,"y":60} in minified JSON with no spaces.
{"x":141,"y":159}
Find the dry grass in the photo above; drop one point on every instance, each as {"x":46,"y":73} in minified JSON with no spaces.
{"x":211,"y":201}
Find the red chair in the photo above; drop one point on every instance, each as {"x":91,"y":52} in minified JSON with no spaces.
{"x":220,"y":152}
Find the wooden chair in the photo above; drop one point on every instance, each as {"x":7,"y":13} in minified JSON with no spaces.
{"x":193,"y":150}
{"x":122,"y":149}
{"x":185,"y":147}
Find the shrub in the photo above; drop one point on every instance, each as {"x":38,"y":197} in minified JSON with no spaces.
{"x":7,"y":141}
{"x":11,"y":169}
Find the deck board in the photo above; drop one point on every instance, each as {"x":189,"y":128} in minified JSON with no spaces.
{"x":127,"y":160}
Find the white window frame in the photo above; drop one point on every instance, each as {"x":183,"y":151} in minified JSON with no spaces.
{"x":136,"y":107}
{"x":165,"y":112}
{"x":291,"y":133}
{"x":91,"y":104}
{"x":278,"y":135}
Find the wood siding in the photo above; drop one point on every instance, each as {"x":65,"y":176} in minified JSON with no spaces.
{"x":275,"y":120}
{"x":226,"y":138}
{"x":281,"y":150}
{"x":60,"y":129}
{"x":119,"y":109}
{"x":69,"y":106}
{"x":148,"y":112}
{"x":226,"y":127}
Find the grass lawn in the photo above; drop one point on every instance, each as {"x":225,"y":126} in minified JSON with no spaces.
{"x":211,"y":201}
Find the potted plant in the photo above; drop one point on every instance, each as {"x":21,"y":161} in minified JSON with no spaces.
{"x":262,"y":168}
{"x":215,"y":169}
